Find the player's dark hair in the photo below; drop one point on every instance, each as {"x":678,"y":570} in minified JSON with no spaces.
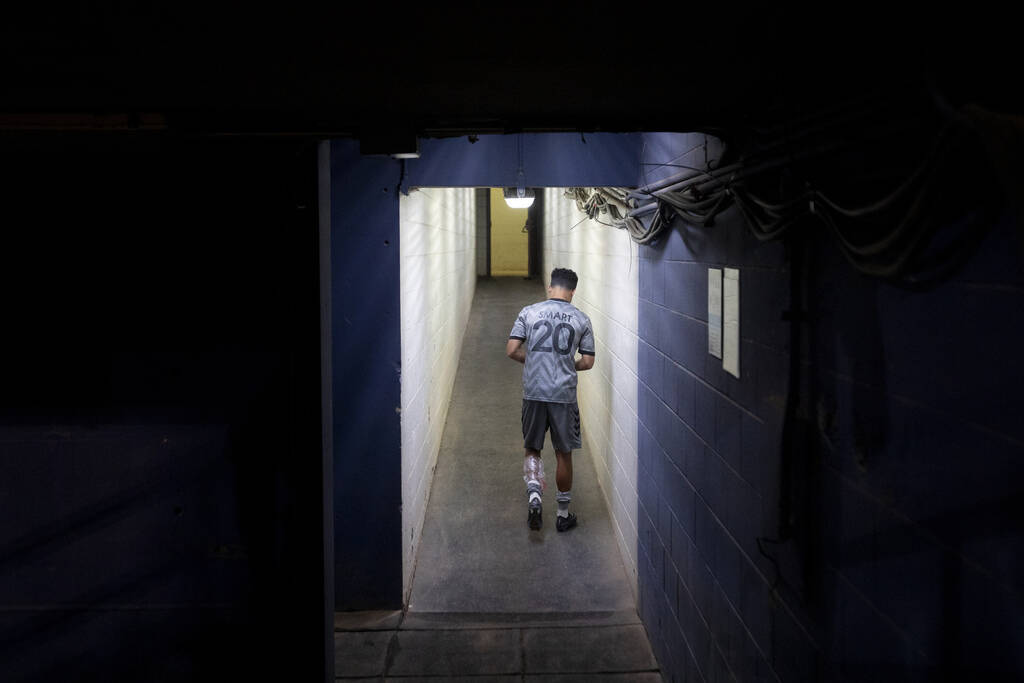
{"x":563,"y":277}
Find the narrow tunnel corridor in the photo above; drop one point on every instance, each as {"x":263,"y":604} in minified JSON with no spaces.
{"x":476,"y":553}
{"x":489,"y":596}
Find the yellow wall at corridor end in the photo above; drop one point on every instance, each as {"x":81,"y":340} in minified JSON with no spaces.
{"x":508,"y":241}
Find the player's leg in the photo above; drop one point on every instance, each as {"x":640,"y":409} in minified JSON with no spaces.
{"x":565,"y":436}
{"x":534,"y":426}
{"x":563,"y":478}
{"x":533,"y":475}
{"x":563,"y":475}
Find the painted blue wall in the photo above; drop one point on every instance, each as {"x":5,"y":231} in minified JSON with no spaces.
{"x":366,"y":360}
{"x":906,"y":561}
{"x":366,"y":343}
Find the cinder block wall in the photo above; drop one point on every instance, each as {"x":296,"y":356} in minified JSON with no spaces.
{"x":905,"y":564}
{"x":438,"y":273}
{"x":606,"y":263}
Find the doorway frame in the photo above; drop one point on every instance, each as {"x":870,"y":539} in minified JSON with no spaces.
{"x":358,"y":217}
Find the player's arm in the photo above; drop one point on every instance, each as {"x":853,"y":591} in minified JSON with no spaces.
{"x":586,"y":348}
{"x":515,"y":350}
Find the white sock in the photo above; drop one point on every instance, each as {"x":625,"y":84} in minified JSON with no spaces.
{"x":563,"y":499}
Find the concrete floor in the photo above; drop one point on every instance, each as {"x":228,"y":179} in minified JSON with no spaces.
{"x":374,"y":646}
{"x":491,"y":599}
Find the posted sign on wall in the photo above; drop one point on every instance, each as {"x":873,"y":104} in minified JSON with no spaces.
{"x":731,"y":322}
{"x":715,"y":312}
{"x":724,"y":317}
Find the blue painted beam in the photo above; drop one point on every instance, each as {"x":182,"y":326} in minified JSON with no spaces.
{"x":549,"y":160}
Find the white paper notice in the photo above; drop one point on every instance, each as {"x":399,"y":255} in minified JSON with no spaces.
{"x":715,"y":312}
{"x":731,"y":322}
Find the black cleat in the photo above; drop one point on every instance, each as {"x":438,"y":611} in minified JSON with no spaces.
{"x":565,"y":523}
{"x":534,"y":517}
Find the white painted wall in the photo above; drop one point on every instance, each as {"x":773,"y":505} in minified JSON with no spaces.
{"x":605,"y":259}
{"x":438,"y":271}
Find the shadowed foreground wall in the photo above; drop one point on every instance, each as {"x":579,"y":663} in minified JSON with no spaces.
{"x":905,"y":561}
{"x":159,"y":410}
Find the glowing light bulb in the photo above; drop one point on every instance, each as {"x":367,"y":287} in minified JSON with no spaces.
{"x":518,"y":197}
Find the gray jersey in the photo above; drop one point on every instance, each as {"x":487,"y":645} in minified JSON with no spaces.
{"x":552,"y":332}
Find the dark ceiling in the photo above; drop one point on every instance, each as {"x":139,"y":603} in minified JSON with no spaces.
{"x":454,"y":69}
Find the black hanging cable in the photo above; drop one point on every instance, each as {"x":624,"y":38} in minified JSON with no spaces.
{"x":895,"y":253}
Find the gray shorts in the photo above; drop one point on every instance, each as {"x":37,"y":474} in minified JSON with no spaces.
{"x":563,"y":419}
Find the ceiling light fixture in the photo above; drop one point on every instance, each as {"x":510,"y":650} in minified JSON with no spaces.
{"x":520,"y":196}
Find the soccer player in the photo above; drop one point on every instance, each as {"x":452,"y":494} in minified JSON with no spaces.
{"x":545,"y":339}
